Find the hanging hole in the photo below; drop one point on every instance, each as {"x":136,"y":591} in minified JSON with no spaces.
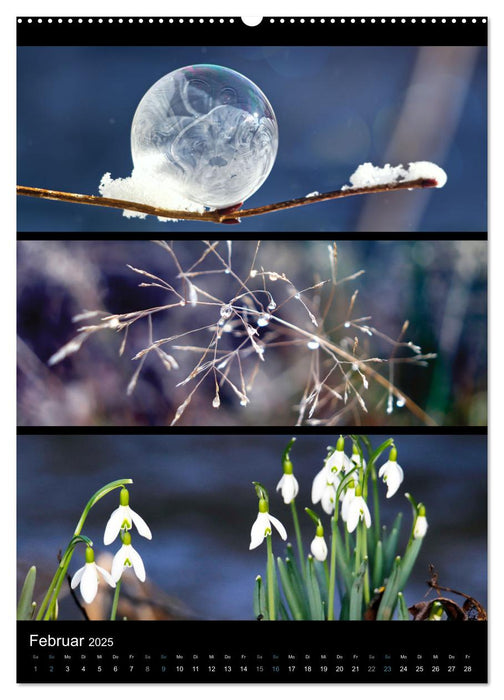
{"x":251,"y":21}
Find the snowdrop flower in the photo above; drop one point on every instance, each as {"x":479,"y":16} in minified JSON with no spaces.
{"x":318,"y":546}
{"x":262,"y":525}
{"x":288,"y":484}
{"x":347,"y":499}
{"x":392,"y":473}
{"x":87,"y":576}
{"x":338,"y":461}
{"x":421,"y":523}
{"x":328,"y":498}
{"x":357,"y":511}
{"x":333,"y":465}
{"x":123,"y":518}
{"x":320,"y":482}
{"x":127,"y":557}
{"x":289,"y":487}
{"x":356,"y":458}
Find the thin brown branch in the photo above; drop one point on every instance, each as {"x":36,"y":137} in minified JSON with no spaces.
{"x":221,"y":216}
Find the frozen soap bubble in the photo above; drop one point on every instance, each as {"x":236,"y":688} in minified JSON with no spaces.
{"x":207,"y":133}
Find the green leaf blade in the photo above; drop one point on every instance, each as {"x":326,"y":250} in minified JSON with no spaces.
{"x":260,"y":604}
{"x":25,"y":607}
{"x":314,"y":596}
{"x":357,"y":593}
{"x":390,"y":545}
{"x":389,"y":598}
{"x":289,"y":589}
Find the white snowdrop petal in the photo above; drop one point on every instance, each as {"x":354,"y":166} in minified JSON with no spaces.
{"x":138,"y":565}
{"x":108,"y":578}
{"x":392,"y":475}
{"x":328,"y":500}
{"x":349,"y":496}
{"x":349,"y":463}
{"x":420,"y":527}
{"x":113,"y":525}
{"x":76,"y":579}
{"x":118,"y":564}
{"x":257,"y":533}
{"x":295,"y":486}
{"x":141,"y":525}
{"x":281,"y":530}
{"x":89,"y":583}
{"x":352,"y":516}
{"x":335,"y":461}
{"x":393,"y":482}
{"x":318,"y":486}
{"x":367,"y":514}
{"x":319,"y":548}
{"x":289,"y":487}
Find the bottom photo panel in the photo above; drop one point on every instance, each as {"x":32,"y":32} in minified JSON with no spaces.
{"x":252,"y":557}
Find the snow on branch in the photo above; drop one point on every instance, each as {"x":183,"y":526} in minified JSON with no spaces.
{"x":139,"y":197}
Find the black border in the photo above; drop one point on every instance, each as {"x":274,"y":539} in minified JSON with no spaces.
{"x":193,"y":235}
{"x":252,"y":430}
{"x":229,"y":31}
{"x":395,"y":651}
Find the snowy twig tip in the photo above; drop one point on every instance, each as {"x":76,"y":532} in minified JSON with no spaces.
{"x":369,"y":175}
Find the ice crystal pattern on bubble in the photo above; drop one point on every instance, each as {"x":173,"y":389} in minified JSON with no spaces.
{"x":208,"y":132}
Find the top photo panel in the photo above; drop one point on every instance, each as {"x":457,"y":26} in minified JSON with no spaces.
{"x":195,"y":136}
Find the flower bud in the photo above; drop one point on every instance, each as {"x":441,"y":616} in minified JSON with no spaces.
{"x":421,"y":524}
{"x":319,"y":547}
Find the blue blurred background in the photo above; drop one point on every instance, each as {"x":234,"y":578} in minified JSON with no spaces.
{"x":197,"y":496}
{"x":336,"y":107}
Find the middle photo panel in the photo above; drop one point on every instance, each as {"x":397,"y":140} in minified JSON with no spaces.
{"x":246,"y":333}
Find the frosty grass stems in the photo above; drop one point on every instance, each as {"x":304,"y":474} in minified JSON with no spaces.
{"x":256,"y":316}
{"x":88,"y":576}
{"x":359,"y":575}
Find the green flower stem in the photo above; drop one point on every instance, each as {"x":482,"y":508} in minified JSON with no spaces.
{"x":61,"y":573}
{"x":270,"y":575}
{"x":298,"y":536}
{"x":363,"y":539}
{"x":376,"y":505}
{"x":113,"y":612}
{"x":347,"y":544}
{"x":49,"y":594}
{"x":52,"y":593}
{"x":58,"y":578}
{"x":332,"y":570}
{"x":326,"y":571}
{"x":54,"y":598}
{"x":358,"y":549}
{"x":96,"y":497}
